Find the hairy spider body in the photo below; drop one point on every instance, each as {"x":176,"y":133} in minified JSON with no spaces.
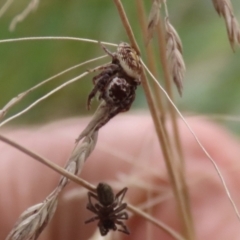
{"x":117,"y":81}
{"x":108,"y":210}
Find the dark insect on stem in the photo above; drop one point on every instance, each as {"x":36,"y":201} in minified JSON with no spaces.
{"x":108,"y":209}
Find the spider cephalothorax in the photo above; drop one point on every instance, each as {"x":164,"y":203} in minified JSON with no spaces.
{"x":117,"y":81}
{"x":108,"y":209}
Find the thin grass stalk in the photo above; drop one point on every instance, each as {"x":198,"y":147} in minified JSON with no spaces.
{"x":152,"y":67}
{"x":22,"y":95}
{"x":48,"y":163}
{"x":153,"y":21}
{"x":168,"y":82}
{"x":224,"y":184}
{"x":33,"y":4}
{"x":158,"y":126}
{"x":160,"y":108}
{"x":150,"y":60}
{"x":5,"y":7}
{"x":181,"y":165}
{"x":56,"y":38}
{"x":47,"y":95}
{"x":87,"y":185}
{"x":157,"y":223}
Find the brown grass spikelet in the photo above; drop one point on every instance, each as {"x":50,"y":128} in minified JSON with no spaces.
{"x":33,"y":220}
{"x":224,"y":8}
{"x":174,"y":53}
{"x":153,"y":19}
{"x":78,"y":157}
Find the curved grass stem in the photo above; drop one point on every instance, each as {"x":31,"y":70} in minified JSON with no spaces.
{"x":56,"y":38}
{"x":48,"y":95}
{"x":158,"y":126}
{"x":22,"y":95}
{"x":199,"y":143}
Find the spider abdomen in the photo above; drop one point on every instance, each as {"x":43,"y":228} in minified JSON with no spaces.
{"x":117,"y":90}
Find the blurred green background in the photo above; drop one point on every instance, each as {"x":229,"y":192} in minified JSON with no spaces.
{"x":211,"y":85}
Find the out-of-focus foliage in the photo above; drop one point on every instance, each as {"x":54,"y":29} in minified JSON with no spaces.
{"x":211,"y":85}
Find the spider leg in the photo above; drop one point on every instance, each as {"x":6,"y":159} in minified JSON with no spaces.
{"x":118,"y":196}
{"x":101,"y":80}
{"x":109,"y":69}
{"x":113,"y":55}
{"x":91,"y":219}
{"x":90,"y":205}
{"x":123,"y":216}
{"x":124,"y":227}
{"x":98,"y":207}
{"x":99,"y":85}
{"x":100,"y":68}
{"x":119,"y":209}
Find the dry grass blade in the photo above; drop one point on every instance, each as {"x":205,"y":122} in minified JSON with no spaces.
{"x":32,"y":222}
{"x":20,"y":96}
{"x":19,"y":18}
{"x":78,"y":157}
{"x":153,"y":19}
{"x":156,"y":222}
{"x":224,"y":8}
{"x":48,"y":163}
{"x":174,"y":53}
{"x":48,"y":95}
{"x":56,"y":38}
{"x":158,"y":125}
{"x":199,"y":143}
{"x":5,"y":7}
{"x":11,"y":103}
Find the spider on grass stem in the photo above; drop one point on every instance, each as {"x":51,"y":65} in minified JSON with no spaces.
{"x":118,"y":80}
{"x":109,"y":210}
{"x":116,"y":84}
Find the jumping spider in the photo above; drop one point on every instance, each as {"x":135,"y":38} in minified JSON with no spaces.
{"x":109,"y":210}
{"x":118,"y":80}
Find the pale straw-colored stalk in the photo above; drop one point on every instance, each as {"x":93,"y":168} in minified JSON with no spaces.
{"x":33,"y":221}
{"x":200,"y":145}
{"x":150,"y":58}
{"x":61,"y":38}
{"x":178,"y":165}
{"x":48,"y":95}
{"x":32,"y":6}
{"x":22,"y":95}
{"x":5,"y":7}
{"x":158,"y":125}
